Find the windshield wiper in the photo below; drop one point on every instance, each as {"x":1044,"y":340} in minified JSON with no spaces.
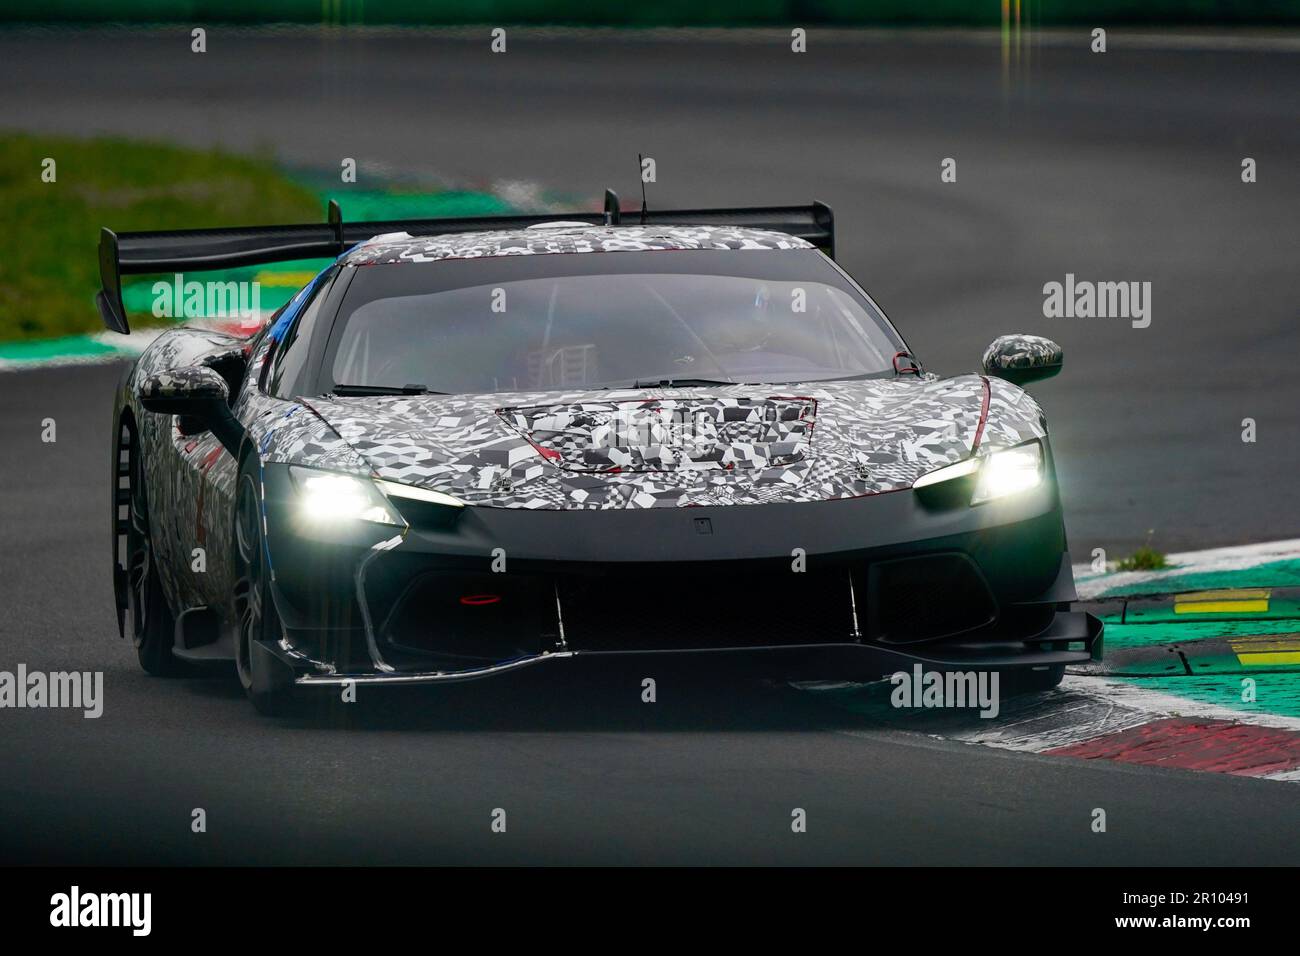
{"x":680,"y":383}
{"x":383,"y":390}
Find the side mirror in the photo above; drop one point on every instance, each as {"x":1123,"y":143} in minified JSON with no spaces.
{"x":1022,"y":358}
{"x":198,"y":393}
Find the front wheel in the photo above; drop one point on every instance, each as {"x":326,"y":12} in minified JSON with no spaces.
{"x":152,"y":626}
{"x":259,"y":622}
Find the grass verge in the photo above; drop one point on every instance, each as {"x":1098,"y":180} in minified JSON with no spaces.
{"x":49,"y":272}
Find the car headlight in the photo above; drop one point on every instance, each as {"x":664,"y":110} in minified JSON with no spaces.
{"x":1008,"y":472}
{"x":327,"y":496}
{"x":999,"y":474}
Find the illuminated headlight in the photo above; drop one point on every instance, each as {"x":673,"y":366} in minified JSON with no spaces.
{"x":1008,"y":472}
{"x":999,"y":474}
{"x":328,"y":496}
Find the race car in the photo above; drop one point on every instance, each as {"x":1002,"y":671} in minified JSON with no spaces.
{"x":470,"y":446}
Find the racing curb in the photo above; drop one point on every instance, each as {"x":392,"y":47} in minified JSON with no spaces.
{"x":1097,"y":718}
{"x":1182,"y":644}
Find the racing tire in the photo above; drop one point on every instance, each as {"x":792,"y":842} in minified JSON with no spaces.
{"x":265,"y":679}
{"x":152,"y":625}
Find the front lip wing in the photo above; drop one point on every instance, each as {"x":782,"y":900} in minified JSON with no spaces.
{"x":431,"y":677}
{"x":866,"y":662}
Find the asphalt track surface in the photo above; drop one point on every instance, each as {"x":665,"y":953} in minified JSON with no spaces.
{"x":1116,"y":167}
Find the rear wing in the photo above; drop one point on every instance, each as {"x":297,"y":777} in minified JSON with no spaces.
{"x":137,"y":253}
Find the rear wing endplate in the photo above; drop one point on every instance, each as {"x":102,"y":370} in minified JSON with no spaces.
{"x":137,"y":253}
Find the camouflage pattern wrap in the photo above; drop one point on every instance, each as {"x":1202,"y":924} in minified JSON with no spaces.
{"x":664,"y":434}
{"x":1020,"y":351}
{"x":401,"y":247}
{"x":196,"y":381}
{"x":185,"y":475}
{"x":678,"y":447}
{"x":1014,"y":417}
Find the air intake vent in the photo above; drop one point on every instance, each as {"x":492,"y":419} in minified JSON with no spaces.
{"x":925,"y":598}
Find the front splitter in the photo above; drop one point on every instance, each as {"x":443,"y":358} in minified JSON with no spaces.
{"x":838,"y":661}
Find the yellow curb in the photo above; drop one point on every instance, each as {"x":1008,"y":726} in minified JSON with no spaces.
{"x":1265,"y":660}
{"x":1225,"y":601}
{"x":1257,"y":652}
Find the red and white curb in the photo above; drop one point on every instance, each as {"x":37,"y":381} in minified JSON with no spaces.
{"x":1096,"y":718}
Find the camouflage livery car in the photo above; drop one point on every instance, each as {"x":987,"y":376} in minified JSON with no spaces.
{"x":469,"y":446}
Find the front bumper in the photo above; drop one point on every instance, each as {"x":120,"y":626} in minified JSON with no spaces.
{"x":849,"y":589}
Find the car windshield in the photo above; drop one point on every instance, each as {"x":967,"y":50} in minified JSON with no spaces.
{"x":604,"y":320}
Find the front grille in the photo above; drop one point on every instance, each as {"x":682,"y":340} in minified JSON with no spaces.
{"x":706,"y":608}
{"x":925,"y":598}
